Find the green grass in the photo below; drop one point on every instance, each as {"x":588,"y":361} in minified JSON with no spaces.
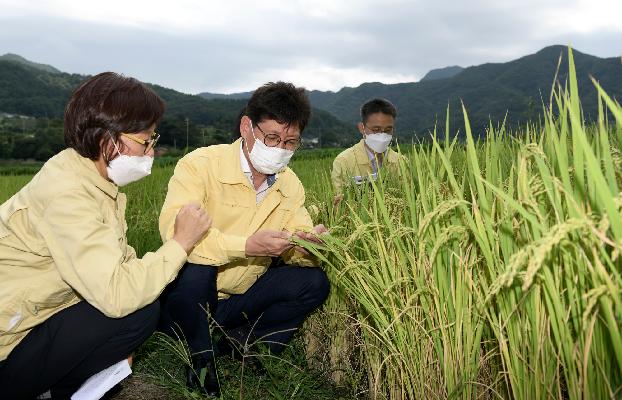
{"x":162,"y":359}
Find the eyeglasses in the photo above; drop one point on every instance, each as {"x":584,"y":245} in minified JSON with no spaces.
{"x":272,"y":140}
{"x":376,"y":129}
{"x":149,"y":143}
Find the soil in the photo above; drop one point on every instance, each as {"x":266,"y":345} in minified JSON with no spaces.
{"x":138,"y":387}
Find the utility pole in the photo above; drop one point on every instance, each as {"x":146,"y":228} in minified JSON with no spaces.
{"x":203,"y":132}
{"x":187,"y":120}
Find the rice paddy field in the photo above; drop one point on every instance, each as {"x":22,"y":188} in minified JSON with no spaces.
{"x":489,"y":268}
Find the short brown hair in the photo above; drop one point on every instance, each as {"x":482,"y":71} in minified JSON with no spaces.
{"x":108,"y":102}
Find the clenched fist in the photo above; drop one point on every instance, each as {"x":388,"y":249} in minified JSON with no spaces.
{"x":191,"y":224}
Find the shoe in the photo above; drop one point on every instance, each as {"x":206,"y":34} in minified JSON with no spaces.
{"x":254,"y":364}
{"x":210,"y":385}
{"x":225,"y":347}
{"x":230,"y":347}
{"x":235,"y":342}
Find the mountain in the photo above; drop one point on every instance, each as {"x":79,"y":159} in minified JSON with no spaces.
{"x":233,"y":96}
{"x":489,"y":91}
{"x":28,"y":89}
{"x":442,"y":73}
{"x":21,"y":60}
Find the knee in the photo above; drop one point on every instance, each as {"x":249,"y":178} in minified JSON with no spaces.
{"x":198,"y":273}
{"x":195,"y":279}
{"x":144,"y":321}
{"x":318,"y":285}
{"x":189,"y":296}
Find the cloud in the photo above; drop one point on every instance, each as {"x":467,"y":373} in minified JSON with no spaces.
{"x":196,"y":46}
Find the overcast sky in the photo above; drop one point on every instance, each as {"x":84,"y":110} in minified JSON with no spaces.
{"x":229,"y":46}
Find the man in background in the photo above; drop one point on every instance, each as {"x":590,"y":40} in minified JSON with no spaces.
{"x":362,"y":162}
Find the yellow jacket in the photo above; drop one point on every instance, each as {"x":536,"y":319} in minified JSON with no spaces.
{"x":212,"y":176}
{"x":62,"y":240}
{"x":354,"y":161}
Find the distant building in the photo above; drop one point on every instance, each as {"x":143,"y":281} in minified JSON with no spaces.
{"x":7,"y":115}
{"x":310,"y":142}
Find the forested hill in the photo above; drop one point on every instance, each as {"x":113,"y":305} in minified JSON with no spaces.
{"x":41,"y":92}
{"x":489,"y":91}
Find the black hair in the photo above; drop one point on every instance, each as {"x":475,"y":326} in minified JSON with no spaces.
{"x":377,"y":106}
{"x":108,"y":102}
{"x":282,"y":102}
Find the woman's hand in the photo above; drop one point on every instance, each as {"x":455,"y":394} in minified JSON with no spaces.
{"x":191,"y":224}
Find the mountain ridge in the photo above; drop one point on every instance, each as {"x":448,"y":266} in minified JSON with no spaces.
{"x":490,"y":92}
{"x":442,"y":73}
{"x":21,"y":60}
{"x":32,"y":103}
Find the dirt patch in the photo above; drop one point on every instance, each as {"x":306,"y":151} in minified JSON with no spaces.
{"x":138,"y":387}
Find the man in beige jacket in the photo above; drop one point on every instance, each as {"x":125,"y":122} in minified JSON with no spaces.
{"x":362,"y":162}
{"x":246,"y":272}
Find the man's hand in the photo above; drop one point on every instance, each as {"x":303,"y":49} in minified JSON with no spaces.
{"x":313,"y":236}
{"x":268,"y":243}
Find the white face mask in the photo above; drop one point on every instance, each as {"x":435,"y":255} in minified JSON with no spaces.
{"x":378,"y":142}
{"x":127,"y":169}
{"x":268,"y":160}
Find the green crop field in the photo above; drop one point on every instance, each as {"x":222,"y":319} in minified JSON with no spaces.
{"x":487,"y":269}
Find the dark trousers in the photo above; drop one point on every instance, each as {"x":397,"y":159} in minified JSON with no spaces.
{"x":69,"y":347}
{"x":271,"y":310}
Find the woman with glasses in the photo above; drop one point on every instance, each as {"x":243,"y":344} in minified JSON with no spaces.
{"x":74,"y":297}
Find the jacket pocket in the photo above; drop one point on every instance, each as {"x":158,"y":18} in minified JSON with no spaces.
{"x":48,"y":301}
{"x":227,"y":212}
{"x":280,"y":216}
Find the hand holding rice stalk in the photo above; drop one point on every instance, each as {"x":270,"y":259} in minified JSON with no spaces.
{"x":309,"y":240}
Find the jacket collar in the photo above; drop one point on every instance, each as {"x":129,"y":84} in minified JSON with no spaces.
{"x":86,"y":167}
{"x":230,"y":170}
{"x":360,"y":153}
{"x":362,"y":156}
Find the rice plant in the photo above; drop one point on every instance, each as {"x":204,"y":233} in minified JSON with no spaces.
{"x":490,"y":268}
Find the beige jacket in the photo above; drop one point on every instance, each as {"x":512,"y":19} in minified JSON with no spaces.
{"x":62,"y":240}
{"x":354,"y":162}
{"x":212,"y":176}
